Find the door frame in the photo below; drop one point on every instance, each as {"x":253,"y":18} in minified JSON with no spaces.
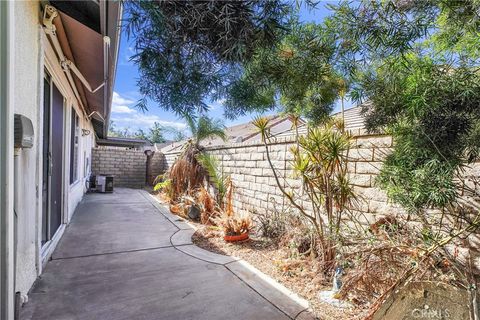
{"x":6,"y":160}
{"x":47,"y":248}
{"x":57,"y":74}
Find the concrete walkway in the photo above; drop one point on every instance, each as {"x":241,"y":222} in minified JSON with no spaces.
{"x":124,"y":256}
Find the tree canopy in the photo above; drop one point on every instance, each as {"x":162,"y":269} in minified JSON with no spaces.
{"x":155,"y":134}
{"x":417,"y":63}
{"x":296,"y":74}
{"x":187,"y":51}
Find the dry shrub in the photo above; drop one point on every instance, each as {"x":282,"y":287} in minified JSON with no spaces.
{"x":207,"y":205}
{"x":234,"y":224}
{"x":299,"y":236}
{"x":393,"y":255}
{"x":186,"y":174}
{"x":373,"y":272}
{"x":229,"y":198}
{"x":273,"y":223}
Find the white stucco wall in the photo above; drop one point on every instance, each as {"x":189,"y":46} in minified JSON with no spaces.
{"x":33,"y":54}
{"x":27,"y":88}
{"x":86,"y":143}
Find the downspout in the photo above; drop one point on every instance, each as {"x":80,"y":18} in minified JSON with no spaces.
{"x":104,"y":9}
{"x":106,"y":52}
{"x":16,"y":168}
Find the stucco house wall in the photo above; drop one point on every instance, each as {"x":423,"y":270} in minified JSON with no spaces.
{"x":26,"y":98}
{"x":33,"y":55}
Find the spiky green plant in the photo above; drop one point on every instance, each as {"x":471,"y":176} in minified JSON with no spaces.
{"x":320,"y":161}
{"x":217,"y":177}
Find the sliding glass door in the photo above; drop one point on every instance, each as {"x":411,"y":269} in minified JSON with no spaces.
{"x":53,"y":141}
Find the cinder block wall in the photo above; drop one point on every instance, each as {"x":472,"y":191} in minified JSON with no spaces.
{"x":159,"y":164}
{"x":128,"y":167}
{"x":256,"y":188}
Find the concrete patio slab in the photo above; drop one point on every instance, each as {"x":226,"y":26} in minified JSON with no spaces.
{"x":117,"y":261}
{"x":199,"y":253}
{"x":155,"y":284}
{"x":182,"y":237}
{"x":285,"y":300}
{"x":99,"y":228}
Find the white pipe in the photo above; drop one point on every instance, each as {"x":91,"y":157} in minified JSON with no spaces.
{"x":96,"y":112}
{"x":106,"y":52}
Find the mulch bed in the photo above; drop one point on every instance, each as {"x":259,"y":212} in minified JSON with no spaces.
{"x":297,"y":273}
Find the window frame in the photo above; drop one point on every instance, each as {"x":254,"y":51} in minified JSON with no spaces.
{"x":74,"y":146}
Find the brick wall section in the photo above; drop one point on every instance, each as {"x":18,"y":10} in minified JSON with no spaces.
{"x":256,"y":189}
{"x":127,"y":166}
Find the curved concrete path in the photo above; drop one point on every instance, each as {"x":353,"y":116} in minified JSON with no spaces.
{"x":124,"y":256}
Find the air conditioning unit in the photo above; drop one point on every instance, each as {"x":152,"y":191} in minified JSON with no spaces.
{"x":104,"y":183}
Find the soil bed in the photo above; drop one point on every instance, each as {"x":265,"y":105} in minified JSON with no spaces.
{"x":297,"y":273}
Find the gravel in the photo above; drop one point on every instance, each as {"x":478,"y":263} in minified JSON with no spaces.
{"x":298,"y":273}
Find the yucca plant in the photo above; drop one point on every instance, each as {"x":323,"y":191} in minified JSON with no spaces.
{"x":320,"y":161}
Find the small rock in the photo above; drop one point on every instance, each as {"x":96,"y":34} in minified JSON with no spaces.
{"x":329,"y":297}
{"x":194,"y":212}
{"x":425,"y":300}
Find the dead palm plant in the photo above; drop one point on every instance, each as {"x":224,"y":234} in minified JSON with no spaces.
{"x":187,"y":174}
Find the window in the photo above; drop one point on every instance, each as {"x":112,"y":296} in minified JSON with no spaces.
{"x":74,"y":137}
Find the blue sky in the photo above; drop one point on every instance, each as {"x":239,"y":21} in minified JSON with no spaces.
{"x":124,"y":115}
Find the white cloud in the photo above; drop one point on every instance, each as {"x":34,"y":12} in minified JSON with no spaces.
{"x":121,"y":104}
{"x":145,"y":121}
{"x":118,"y":100}
{"x":122,"y":109}
{"x":216,"y":104}
{"x":125,"y":116}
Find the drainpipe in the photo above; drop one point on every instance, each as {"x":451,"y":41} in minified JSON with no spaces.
{"x":16,"y":166}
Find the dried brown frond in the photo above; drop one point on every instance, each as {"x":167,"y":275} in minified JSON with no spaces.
{"x":186,"y":174}
{"x":234,"y":224}
{"x":207,"y":204}
{"x":178,"y":209}
{"x":229,"y":198}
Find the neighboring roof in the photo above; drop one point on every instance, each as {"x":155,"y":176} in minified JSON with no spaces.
{"x":248,"y":132}
{"x":123,"y":142}
{"x":280,"y":126}
{"x":353,"y":120}
{"x":238,"y":133}
{"x":81,"y":29}
{"x":159,"y":146}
